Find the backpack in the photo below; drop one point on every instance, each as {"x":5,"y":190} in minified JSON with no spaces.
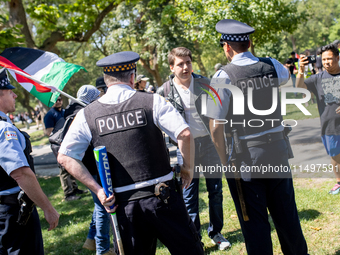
{"x":59,"y":131}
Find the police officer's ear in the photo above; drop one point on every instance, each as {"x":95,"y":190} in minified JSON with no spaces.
{"x":172,"y":68}
{"x":132,"y":79}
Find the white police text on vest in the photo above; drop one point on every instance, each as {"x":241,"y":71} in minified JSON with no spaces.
{"x":121,"y":121}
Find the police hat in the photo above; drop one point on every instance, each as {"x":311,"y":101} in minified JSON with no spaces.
{"x":100,"y":82}
{"x":119,"y":62}
{"x":4,"y":82}
{"x":233,"y":30}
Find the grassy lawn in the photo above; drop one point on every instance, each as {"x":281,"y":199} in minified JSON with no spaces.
{"x":293,"y":112}
{"x":319,"y":213}
{"x":38,"y":138}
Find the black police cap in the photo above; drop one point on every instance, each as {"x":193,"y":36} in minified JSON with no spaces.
{"x":4,"y":82}
{"x":233,"y":30}
{"x":100,"y":82}
{"x":119,"y":62}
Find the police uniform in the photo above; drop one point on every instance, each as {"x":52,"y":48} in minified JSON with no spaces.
{"x":15,"y":148}
{"x":261,"y":146}
{"x":129,"y":124}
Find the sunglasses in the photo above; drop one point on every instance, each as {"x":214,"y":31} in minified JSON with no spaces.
{"x":59,"y":100}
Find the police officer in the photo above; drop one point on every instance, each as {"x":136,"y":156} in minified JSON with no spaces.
{"x":16,"y":174}
{"x":101,"y":86}
{"x":129,"y":124}
{"x":263,"y":145}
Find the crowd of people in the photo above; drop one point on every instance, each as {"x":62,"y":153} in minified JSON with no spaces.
{"x":127,"y":116}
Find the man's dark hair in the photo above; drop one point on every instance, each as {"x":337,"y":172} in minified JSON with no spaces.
{"x":239,"y":46}
{"x":178,"y":52}
{"x":292,"y":53}
{"x":336,"y":42}
{"x":330,"y":47}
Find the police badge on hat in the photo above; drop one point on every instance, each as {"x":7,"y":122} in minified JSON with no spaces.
{"x":4,"y":82}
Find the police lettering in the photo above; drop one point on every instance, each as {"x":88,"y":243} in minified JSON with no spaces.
{"x":121,"y":121}
{"x":257,"y":83}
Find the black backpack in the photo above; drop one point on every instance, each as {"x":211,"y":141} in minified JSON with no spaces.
{"x":59,"y":131}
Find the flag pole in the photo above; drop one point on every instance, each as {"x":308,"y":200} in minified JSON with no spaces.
{"x":53,"y":89}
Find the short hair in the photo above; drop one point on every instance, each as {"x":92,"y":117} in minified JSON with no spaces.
{"x":239,"y":46}
{"x":330,"y":47}
{"x":292,"y":53}
{"x":178,"y":52}
{"x":118,"y":77}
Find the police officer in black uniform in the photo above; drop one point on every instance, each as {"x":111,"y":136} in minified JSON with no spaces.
{"x":101,"y":86}
{"x":20,"y":231}
{"x":129,"y":124}
{"x":256,"y":143}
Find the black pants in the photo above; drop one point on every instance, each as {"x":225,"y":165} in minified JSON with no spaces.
{"x":274,"y":194}
{"x":16,"y":239}
{"x":142,"y":221}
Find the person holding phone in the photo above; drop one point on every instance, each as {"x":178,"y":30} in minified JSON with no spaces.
{"x":326,"y":87}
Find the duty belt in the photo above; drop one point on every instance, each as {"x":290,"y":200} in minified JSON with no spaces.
{"x":140,"y":193}
{"x":264,"y":139}
{"x":9,"y":199}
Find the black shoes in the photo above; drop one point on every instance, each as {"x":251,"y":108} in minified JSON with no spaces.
{"x":73,"y":196}
{"x":79,"y":191}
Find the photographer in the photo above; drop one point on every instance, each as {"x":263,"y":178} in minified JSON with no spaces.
{"x":326,"y":87}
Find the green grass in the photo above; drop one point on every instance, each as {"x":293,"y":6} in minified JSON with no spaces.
{"x":317,"y":209}
{"x":293,"y":112}
{"x":38,"y":138}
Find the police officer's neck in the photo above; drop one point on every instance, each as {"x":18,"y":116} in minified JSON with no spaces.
{"x":120,"y":83}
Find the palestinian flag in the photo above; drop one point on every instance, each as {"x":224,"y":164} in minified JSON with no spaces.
{"x":42,"y":66}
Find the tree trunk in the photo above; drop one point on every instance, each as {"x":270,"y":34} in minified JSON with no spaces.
{"x":43,"y":110}
{"x":293,"y":42}
{"x":26,"y":103}
{"x":17,"y":15}
{"x":154,"y":72}
{"x":198,"y":59}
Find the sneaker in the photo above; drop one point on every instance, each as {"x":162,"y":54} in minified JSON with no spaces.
{"x":335,"y":190}
{"x":79,"y":191}
{"x":72,"y":197}
{"x":221,"y":242}
{"x":110,"y":252}
{"x":90,"y":244}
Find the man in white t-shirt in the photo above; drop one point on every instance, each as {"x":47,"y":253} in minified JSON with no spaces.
{"x":186,"y":91}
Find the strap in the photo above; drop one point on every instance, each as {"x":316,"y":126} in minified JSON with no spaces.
{"x":166,"y":88}
{"x":264,"y":139}
{"x":3,"y":118}
{"x":140,"y":193}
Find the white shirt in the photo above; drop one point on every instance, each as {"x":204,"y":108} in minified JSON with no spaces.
{"x":197,"y":127}
{"x":241,"y":59}
{"x":165,"y":117}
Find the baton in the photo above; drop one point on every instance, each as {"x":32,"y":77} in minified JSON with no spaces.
{"x":238,"y":150}
{"x":103,"y":166}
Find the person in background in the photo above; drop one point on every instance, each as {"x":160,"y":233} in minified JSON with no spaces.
{"x":37,"y":116}
{"x":68,"y":183}
{"x":140,"y":83}
{"x":101,"y":86}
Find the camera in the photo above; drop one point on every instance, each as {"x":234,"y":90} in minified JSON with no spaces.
{"x":311,"y":59}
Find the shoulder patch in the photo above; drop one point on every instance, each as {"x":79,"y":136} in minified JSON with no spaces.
{"x":10,"y":135}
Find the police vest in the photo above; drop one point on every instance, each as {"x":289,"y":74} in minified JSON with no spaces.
{"x":262,"y":78}
{"x":135,"y":145}
{"x":7,"y":182}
